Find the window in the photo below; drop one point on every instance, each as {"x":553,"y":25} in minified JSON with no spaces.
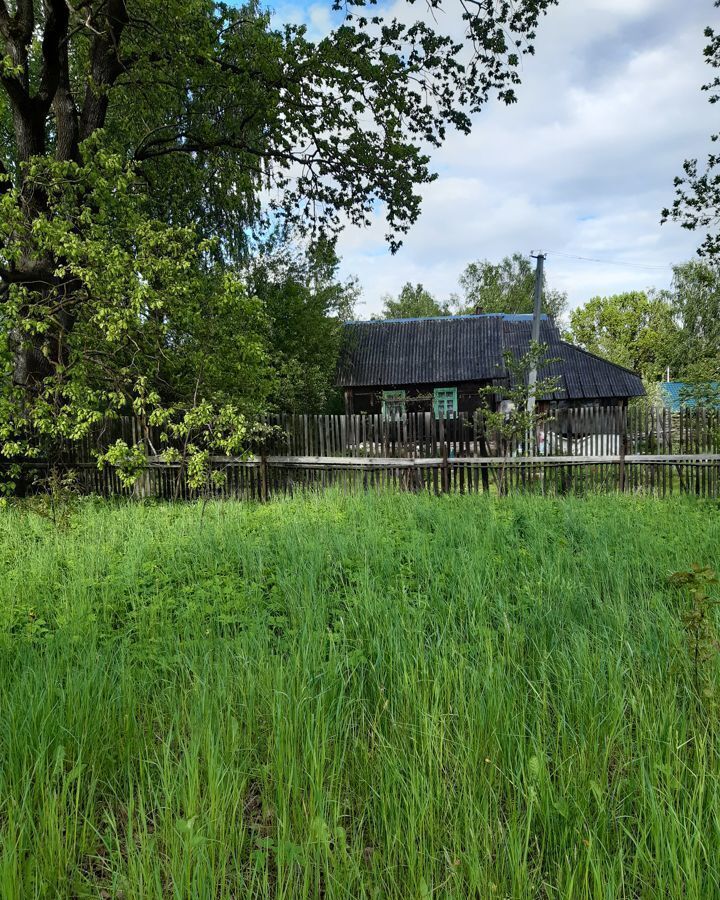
{"x":444,"y":402}
{"x":393,"y":404}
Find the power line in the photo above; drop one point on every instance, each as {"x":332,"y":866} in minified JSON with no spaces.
{"x":611,"y":262}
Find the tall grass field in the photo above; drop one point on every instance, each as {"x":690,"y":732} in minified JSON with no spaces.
{"x":386,"y":696}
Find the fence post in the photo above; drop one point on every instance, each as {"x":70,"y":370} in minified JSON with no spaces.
{"x":623,"y":450}
{"x":481,"y":438}
{"x":143,"y":486}
{"x":445,"y":467}
{"x":444,"y":454}
{"x":263,"y":477}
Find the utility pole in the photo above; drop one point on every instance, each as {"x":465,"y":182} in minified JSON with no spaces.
{"x":537,"y":312}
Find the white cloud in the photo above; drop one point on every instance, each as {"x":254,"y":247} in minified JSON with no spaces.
{"x":609,"y":108}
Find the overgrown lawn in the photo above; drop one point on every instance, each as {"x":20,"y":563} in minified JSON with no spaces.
{"x":376,"y":696}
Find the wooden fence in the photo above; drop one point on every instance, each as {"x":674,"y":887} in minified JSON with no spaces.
{"x":610,"y":449}
{"x":591,"y":431}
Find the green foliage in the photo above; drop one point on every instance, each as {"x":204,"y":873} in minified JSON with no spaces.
{"x":145,"y":148}
{"x":56,"y":496}
{"x":191,"y":436}
{"x":650,"y":331}
{"x":519,"y":419}
{"x":217,"y":104}
{"x":507,"y":286}
{"x":521,"y":416}
{"x":305,"y":304}
{"x":697,"y":190}
{"x":695,"y":297}
{"x":636,"y":330}
{"x":703,"y":639}
{"x":136,"y":312}
{"x":355,"y":697}
{"x":189,"y":439}
{"x":413,"y":302}
{"x":128,"y":461}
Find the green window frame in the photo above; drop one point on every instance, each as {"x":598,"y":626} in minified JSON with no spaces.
{"x":393,"y":404}
{"x":445,"y":402}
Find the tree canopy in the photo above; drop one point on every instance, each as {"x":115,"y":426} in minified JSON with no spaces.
{"x":695,"y":298}
{"x":636,"y":330}
{"x":697,"y":190}
{"x":147,"y":145}
{"x":305,"y":304}
{"x":648,"y":331}
{"x":413,"y":302}
{"x":507,"y":286}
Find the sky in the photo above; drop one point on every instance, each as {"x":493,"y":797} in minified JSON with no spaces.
{"x":581,"y":166}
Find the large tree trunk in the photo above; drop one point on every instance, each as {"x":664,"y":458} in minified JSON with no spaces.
{"x":38,"y":356}
{"x":51,"y":108}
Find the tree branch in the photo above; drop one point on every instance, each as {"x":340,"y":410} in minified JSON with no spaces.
{"x":65,"y":109}
{"x":5,"y":180}
{"x":105,"y":67}
{"x":24,"y":21}
{"x":56,"y":24}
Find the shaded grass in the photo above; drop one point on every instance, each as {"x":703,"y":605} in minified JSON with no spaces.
{"x":376,"y":696}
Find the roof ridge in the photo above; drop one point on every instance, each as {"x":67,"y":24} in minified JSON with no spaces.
{"x":424,"y":319}
{"x":506,"y":316}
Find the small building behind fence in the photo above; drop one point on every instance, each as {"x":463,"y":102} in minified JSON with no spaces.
{"x":438,"y":365}
{"x":675,"y":395}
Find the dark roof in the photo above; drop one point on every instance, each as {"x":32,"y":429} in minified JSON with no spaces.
{"x":580,"y":375}
{"x":450,"y":349}
{"x":422,"y":351}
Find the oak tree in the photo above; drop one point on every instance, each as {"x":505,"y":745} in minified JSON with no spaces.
{"x":145,"y":143}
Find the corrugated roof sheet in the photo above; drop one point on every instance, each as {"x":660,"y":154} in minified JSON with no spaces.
{"x":417,"y":351}
{"x":673,"y":391}
{"x":580,"y":375}
{"x":470,"y":348}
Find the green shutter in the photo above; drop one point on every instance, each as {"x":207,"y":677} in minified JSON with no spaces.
{"x":445,"y":402}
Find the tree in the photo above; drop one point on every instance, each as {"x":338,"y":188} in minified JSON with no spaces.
{"x":413,"y":302}
{"x":507,"y":286}
{"x":306,"y":306}
{"x":697,"y":190}
{"x":517,"y":420}
{"x":140,"y":142}
{"x":636,"y":330}
{"x":695,"y":297}
{"x":138,"y":314}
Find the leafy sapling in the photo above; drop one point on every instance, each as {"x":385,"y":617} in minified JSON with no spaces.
{"x":514,"y":421}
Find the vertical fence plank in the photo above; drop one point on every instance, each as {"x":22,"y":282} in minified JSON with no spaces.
{"x":454,"y":439}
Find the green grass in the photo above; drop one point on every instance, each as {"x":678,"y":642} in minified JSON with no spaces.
{"x":379,"y":696}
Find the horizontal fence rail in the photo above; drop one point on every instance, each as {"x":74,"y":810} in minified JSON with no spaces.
{"x":596,"y":448}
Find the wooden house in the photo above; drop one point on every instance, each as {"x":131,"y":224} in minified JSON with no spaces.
{"x":439,"y":364}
